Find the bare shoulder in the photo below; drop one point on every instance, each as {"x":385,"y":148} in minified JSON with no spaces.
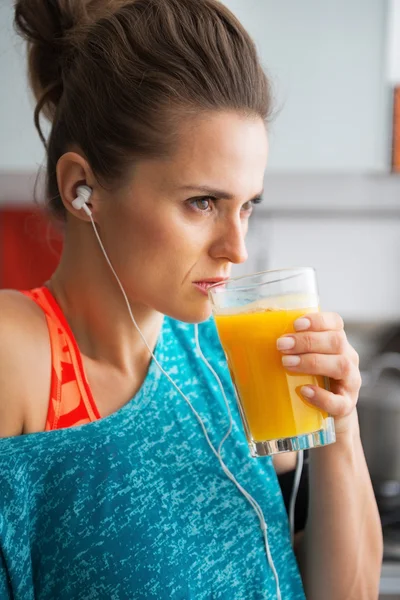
{"x":25,"y":360}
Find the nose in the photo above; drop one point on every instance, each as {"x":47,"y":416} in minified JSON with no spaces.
{"x":230,"y":241}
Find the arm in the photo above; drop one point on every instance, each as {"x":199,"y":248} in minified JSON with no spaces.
{"x":340,"y":551}
{"x":11,"y":417}
{"x":24,"y":360}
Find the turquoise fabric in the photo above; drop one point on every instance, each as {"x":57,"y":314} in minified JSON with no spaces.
{"x":136,"y":505}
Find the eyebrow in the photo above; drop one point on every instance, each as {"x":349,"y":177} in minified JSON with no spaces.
{"x":214,"y":192}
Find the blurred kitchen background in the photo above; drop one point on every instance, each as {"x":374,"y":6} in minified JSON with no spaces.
{"x":332,"y":193}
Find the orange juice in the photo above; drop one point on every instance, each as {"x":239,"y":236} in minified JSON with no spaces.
{"x":269,"y":395}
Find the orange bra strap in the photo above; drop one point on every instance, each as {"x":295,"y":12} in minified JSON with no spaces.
{"x":71,"y":400}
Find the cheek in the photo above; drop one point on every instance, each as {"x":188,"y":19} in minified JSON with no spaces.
{"x":149,"y":240}
{"x":169,"y":235}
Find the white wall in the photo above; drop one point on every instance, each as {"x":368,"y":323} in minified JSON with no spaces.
{"x":327,"y":60}
{"x":356,"y":258}
{"x":20,"y":146}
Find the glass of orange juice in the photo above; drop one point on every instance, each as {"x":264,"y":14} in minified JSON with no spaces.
{"x":251,"y":312}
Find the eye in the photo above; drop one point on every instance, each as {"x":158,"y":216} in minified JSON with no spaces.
{"x":202,"y":204}
{"x":248,"y":207}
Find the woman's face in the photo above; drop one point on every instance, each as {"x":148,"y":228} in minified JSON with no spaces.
{"x":184,"y":219}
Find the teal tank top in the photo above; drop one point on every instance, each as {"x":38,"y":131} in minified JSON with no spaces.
{"x":136,"y":505}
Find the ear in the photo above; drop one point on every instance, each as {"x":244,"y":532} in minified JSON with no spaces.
{"x":74,"y":170}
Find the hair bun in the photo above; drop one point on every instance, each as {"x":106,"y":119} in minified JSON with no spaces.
{"x":46,"y":25}
{"x":53,"y":29}
{"x":43,"y":24}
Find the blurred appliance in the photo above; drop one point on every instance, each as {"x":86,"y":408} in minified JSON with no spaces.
{"x":379,"y":416}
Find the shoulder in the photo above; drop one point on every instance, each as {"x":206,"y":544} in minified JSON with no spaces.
{"x":24,"y":349}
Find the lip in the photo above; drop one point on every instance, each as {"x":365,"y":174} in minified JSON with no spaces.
{"x":204,"y":284}
{"x":212,"y":280}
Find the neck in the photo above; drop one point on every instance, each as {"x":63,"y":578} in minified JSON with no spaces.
{"x":93,"y":304}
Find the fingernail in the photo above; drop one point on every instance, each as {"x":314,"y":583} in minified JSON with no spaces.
{"x":290,"y":361}
{"x":285,"y":343}
{"x":307,"y":392}
{"x":302,"y":324}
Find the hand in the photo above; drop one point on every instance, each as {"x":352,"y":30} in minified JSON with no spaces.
{"x":320,"y":347}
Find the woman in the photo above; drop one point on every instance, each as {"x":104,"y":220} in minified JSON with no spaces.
{"x":109,"y":489}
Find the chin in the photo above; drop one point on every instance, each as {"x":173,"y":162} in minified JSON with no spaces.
{"x":191,"y":312}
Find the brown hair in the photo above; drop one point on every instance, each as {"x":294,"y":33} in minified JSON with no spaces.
{"x":115,"y":77}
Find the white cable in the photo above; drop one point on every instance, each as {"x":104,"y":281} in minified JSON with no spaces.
{"x":296,"y":483}
{"x":251,"y":500}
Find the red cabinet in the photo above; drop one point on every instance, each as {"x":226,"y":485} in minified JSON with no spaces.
{"x":30,"y":247}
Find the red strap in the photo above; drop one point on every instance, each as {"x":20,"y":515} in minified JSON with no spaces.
{"x":71,"y":400}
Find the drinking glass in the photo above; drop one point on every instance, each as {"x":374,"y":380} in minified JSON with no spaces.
{"x":251,"y":312}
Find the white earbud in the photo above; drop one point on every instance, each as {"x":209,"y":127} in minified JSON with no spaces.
{"x":84,"y":193}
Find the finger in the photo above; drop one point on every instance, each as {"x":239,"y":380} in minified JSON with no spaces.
{"x":324,"y":342}
{"x":339,"y":367}
{"x":334,"y":404}
{"x":319,"y":321}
